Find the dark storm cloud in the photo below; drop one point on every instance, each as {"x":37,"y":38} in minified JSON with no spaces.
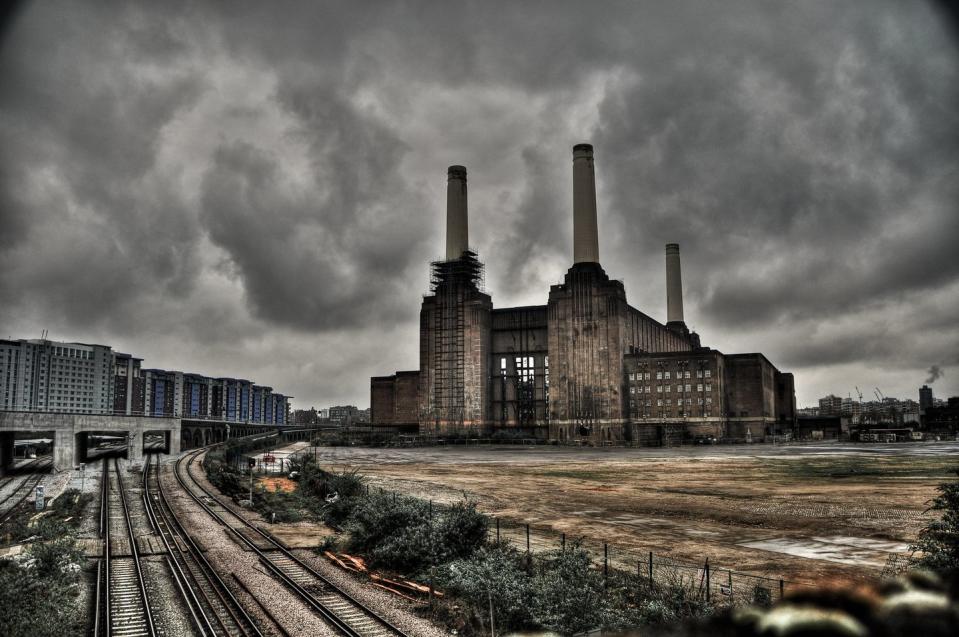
{"x":266,"y":182}
{"x":84,"y":224}
{"x":935,"y":373}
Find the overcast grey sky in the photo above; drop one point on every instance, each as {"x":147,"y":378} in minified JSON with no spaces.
{"x":255,"y":189}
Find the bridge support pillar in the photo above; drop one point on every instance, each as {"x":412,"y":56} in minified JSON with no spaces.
{"x":66,"y":451}
{"x":135,"y":448}
{"x":174,"y":441}
{"x":6,"y":451}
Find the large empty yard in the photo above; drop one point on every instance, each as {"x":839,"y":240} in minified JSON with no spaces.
{"x":805,"y":513}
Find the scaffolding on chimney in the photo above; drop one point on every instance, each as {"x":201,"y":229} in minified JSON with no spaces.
{"x":452,"y":284}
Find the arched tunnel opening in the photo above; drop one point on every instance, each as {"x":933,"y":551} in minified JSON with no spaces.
{"x":94,"y":445}
{"x":156,"y":441}
{"x":26,"y":452}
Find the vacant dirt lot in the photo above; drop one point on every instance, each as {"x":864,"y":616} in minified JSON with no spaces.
{"x":805,"y":513}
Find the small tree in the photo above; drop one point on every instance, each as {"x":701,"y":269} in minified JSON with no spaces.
{"x":938,"y":542}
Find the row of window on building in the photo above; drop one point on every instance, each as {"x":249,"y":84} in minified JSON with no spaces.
{"x":667,"y":402}
{"x":40,"y":375}
{"x":665,"y":389}
{"x":668,"y":375}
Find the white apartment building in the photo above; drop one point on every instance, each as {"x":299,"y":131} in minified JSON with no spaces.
{"x":41,"y":375}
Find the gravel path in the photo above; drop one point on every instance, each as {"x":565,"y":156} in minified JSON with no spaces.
{"x":229,"y":558}
{"x":169,"y":611}
{"x":395,"y":609}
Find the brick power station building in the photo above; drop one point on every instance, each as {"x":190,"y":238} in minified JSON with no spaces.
{"x":586,"y":366}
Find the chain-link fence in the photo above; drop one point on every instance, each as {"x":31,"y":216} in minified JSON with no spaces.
{"x":713,"y":583}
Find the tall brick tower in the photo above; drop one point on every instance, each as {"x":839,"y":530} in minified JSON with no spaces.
{"x":587,"y":317}
{"x":455,"y":329}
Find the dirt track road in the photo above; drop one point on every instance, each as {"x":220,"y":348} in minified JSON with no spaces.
{"x":825,"y":511}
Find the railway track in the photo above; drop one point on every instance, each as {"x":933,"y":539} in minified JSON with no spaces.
{"x":213,"y":608}
{"x":10,"y":503}
{"x":342,"y":611}
{"x":122,"y":603}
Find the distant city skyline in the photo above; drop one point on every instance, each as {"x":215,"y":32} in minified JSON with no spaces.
{"x":257,"y":193}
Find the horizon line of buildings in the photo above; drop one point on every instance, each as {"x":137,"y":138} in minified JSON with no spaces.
{"x":337,"y":414}
{"x":81,"y":378}
{"x":888,"y":409}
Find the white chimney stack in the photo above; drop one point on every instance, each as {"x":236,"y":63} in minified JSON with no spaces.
{"x":585,"y":235}
{"x":674,"y":285}
{"x":457,"y":225}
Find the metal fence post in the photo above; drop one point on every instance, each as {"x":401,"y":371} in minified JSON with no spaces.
{"x":782,"y":588}
{"x":650,"y":568}
{"x":527,"y":539}
{"x":497,"y":530}
{"x":605,"y":563}
{"x":564,"y":542}
{"x":707,"y":580}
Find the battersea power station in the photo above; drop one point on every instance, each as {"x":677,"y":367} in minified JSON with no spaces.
{"x":587,"y":367}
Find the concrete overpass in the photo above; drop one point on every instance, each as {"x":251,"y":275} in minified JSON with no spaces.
{"x":70,"y":433}
{"x":196,"y":432}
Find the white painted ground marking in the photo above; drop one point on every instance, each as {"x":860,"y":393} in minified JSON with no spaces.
{"x":841,"y":549}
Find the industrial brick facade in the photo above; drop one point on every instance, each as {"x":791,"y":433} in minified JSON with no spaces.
{"x":585,"y":367}
{"x":454,"y":349}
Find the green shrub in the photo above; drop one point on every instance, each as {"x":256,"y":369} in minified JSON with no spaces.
{"x":458,"y":531}
{"x":400,"y":533}
{"x":568,"y":594}
{"x":938,"y":543}
{"x":39,"y":594}
{"x":316,"y":484}
{"x":392,"y":532}
{"x":493,"y":576}
{"x":228,"y":480}
{"x":288,"y":507}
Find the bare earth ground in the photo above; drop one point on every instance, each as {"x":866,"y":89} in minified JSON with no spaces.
{"x":807,"y":513}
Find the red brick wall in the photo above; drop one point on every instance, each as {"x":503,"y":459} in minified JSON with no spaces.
{"x":382,"y":390}
{"x":405,"y":410}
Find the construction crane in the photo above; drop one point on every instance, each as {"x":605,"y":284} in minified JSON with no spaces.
{"x":858,"y":419}
{"x":881,"y":396}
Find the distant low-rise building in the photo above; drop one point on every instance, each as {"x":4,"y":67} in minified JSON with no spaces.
{"x":830,"y":406}
{"x":822,"y":428}
{"x":942,"y":420}
{"x":343,"y":414}
{"x":852,"y":409}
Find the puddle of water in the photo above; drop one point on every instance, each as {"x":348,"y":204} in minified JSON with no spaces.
{"x":866,"y":543}
{"x":844,"y":550}
{"x":700,"y":532}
